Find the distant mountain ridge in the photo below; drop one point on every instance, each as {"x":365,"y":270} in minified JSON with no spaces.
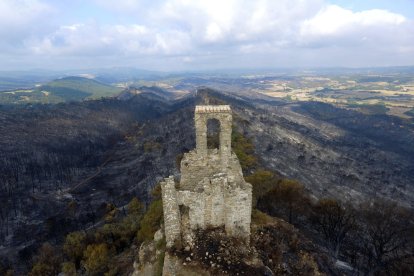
{"x":152,"y":90}
{"x":90,"y":88}
{"x":64,"y":89}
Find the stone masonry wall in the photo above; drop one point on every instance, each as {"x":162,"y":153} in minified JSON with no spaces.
{"x":171,"y":211}
{"x":212,"y":191}
{"x":195,"y":167}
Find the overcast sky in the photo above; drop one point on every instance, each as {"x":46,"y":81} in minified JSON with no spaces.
{"x":173,"y":35}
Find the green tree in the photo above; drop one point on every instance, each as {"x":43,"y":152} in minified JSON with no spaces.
{"x":244,"y":149}
{"x":42,"y":269}
{"x":96,"y":258}
{"x":286,"y":200}
{"x":46,"y":262}
{"x":69,"y":269}
{"x":135,"y":207}
{"x":120,"y":232}
{"x":111,"y":213}
{"x":75,"y":244}
{"x":262,"y":181}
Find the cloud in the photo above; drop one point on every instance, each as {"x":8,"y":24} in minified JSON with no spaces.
{"x":367,"y":38}
{"x":337,"y":26}
{"x":18,"y":13}
{"x":125,"y":6}
{"x":333,"y":19}
{"x":94,"y":40}
{"x":215,"y":21}
{"x":22,"y":18}
{"x":208,"y":33}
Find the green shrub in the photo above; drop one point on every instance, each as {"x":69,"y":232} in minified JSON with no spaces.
{"x":156,"y":193}
{"x":42,"y":269}
{"x":96,"y":258}
{"x":287,"y":199}
{"x":262,"y":181}
{"x":259,"y":218}
{"x":69,"y":269}
{"x":111,"y":213}
{"x":151,"y":221}
{"x":306,"y":265}
{"x":244,"y":149}
{"x":135,"y":207}
{"x":75,"y":244}
{"x":47,"y":261}
{"x":160,"y":264}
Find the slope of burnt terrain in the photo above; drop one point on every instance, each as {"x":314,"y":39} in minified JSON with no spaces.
{"x":336,"y":152}
{"x":61,"y":164}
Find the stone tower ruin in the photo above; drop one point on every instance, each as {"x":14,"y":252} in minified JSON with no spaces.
{"x":212,"y":191}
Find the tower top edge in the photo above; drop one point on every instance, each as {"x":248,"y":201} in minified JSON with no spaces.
{"x":212,"y":108}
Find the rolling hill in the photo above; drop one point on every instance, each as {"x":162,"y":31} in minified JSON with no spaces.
{"x":60,"y":90}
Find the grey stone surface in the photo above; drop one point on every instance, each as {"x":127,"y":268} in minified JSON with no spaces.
{"x":171,"y":211}
{"x":212,"y":191}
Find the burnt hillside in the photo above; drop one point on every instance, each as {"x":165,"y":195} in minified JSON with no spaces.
{"x":61,"y":164}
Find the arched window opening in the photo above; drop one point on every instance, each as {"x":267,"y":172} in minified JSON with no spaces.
{"x":213,"y":134}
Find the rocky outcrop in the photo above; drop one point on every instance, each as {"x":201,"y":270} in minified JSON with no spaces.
{"x":275,"y":248}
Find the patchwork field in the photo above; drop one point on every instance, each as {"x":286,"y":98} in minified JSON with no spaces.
{"x":369,"y":94}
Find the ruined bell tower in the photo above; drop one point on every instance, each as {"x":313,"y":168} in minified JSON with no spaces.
{"x":222,"y":113}
{"x":212,"y":191}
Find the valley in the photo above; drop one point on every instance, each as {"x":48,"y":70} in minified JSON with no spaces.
{"x":62,"y":164}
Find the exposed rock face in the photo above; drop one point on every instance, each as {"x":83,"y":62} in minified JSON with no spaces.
{"x":276,"y":248}
{"x":212,"y":191}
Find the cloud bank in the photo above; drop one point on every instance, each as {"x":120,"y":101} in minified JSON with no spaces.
{"x":204,"y":34}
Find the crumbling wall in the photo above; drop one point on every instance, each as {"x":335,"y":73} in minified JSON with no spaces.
{"x":212,"y":191}
{"x":171,"y":211}
{"x":239,"y":209}
{"x":195,"y":167}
